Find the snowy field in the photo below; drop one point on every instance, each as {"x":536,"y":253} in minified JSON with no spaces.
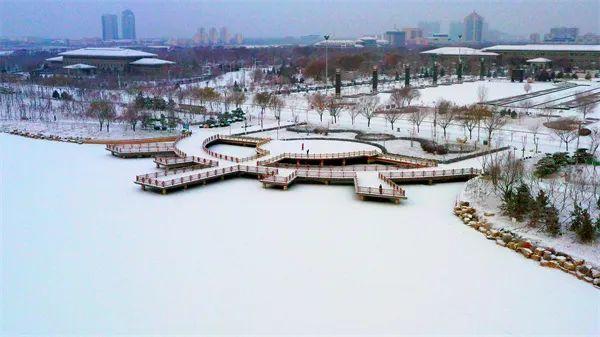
{"x":86,"y":252}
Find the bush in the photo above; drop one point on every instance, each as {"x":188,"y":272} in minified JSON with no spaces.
{"x":581,"y":156}
{"x":588,"y":76}
{"x":431,"y":147}
{"x":582,"y":224}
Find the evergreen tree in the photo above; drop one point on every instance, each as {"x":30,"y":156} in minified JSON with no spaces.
{"x":538,"y":209}
{"x":552,"y":225}
{"x":576,"y":218}
{"x":586,"y":231}
{"x":55,"y":95}
{"x":522,"y":202}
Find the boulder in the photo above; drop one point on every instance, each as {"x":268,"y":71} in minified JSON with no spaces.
{"x":547,"y":255}
{"x":525,"y":244}
{"x":596,"y":282}
{"x":561,"y":259}
{"x":501,"y":242}
{"x":578,"y":262}
{"x":536,"y":257}
{"x":585,"y":270}
{"x":595,"y":273}
{"x":526,"y":252}
{"x":488,"y":214}
{"x":507,"y":237}
{"x":569,"y":266}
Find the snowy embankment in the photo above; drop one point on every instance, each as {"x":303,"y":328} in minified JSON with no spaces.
{"x":481,"y":195}
{"x":82,"y":129}
{"x":234,"y":258}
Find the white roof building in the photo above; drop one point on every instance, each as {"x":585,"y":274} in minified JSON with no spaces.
{"x":107,"y":52}
{"x":458,"y":51}
{"x":546,"y":47}
{"x":79,"y":66}
{"x":151,"y":62}
{"x":539,"y":60}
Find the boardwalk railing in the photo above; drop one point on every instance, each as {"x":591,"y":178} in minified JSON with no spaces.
{"x":430,"y":173}
{"x":167,"y":161}
{"x":392,"y":184}
{"x":375,"y":191}
{"x":353,"y":168}
{"x":325,"y":174}
{"x":339,"y":155}
{"x":248,"y":140}
{"x":278,"y":179}
{"x":407,"y":160}
{"x":148,"y":180}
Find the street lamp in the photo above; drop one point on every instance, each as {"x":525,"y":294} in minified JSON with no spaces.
{"x":326,"y":65}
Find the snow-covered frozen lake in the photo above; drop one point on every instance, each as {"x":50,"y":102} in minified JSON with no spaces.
{"x":86,"y":252}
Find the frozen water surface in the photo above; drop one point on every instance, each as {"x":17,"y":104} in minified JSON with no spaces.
{"x":85,"y":251}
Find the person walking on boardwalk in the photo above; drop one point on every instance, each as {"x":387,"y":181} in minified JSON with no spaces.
{"x":380,"y":189}
{"x":302,"y":146}
{"x":307,"y":150}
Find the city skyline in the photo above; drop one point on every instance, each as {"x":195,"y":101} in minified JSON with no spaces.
{"x":276,"y":19}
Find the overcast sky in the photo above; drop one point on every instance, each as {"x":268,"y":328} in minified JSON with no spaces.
{"x":276,"y":18}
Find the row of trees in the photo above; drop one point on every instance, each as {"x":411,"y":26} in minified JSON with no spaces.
{"x":550,"y":205}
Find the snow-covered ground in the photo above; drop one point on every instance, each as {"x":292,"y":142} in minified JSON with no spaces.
{"x":83,"y":129}
{"x":86,"y":252}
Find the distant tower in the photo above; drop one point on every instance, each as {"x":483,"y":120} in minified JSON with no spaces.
{"x":213,"y":37}
{"x":473,"y":28}
{"x":224,"y":35}
{"x":110,"y":27}
{"x":127,"y":25}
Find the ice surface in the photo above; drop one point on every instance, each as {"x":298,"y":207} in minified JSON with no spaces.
{"x":85,"y":251}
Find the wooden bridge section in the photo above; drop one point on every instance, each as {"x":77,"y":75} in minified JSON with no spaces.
{"x":142,"y":150}
{"x":345,"y":158}
{"x":187,"y":161}
{"x":235,"y":140}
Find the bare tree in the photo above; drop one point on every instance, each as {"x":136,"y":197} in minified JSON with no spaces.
{"x":368,"y":106}
{"x":262,"y":100}
{"x":585,"y":105}
{"x":448,"y":114}
{"x":318,"y":102}
{"x":238,"y":98}
{"x":277,"y":104}
{"x":131,"y":115}
{"x":416,"y":116}
{"x":334,"y":107}
{"x":354,"y":111}
{"x":404,"y":97}
{"x":565,"y":129}
{"x":492,"y":122}
{"x":392,"y":116}
{"x":103,"y":111}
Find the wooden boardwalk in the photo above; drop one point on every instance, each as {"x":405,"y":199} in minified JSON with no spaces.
{"x":236,"y":140}
{"x":371,"y":181}
{"x":345,"y":158}
{"x":187,"y":161}
{"x":142,"y":150}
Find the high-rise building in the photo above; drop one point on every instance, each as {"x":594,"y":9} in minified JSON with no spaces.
{"x":239,"y":39}
{"x":412,"y":35}
{"x":534,"y":38}
{"x":455,"y":30}
{"x":429,"y":28}
{"x":213,"y":36}
{"x":127,"y":25}
{"x":224,"y":35}
{"x":110,"y":27}
{"x":396,"y":38}
{"x":473,"y":28}
{"x":562,"y":34}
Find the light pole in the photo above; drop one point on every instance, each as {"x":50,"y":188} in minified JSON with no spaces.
{"x":326,"y":65}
